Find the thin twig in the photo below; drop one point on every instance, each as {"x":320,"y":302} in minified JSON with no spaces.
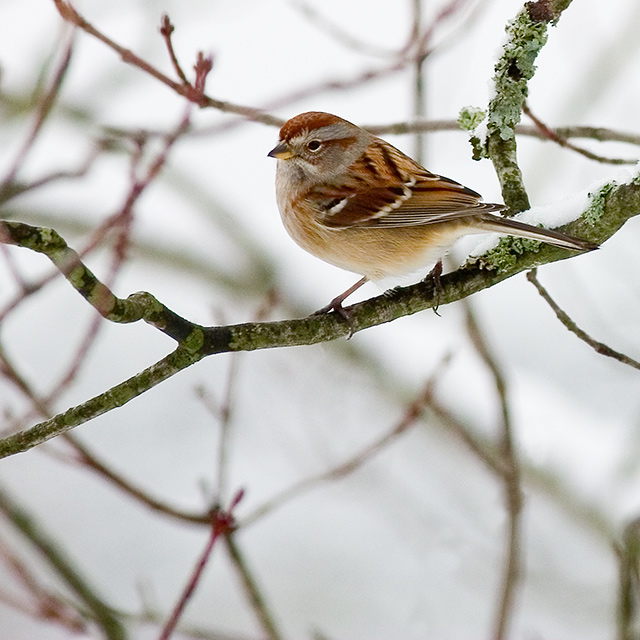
{"x":419,"y":81}
{"x":511,"y":478}
{"x":122,"y":223}
{"x":44,"y":604}
{"x":44,"y":109}
{"x":90,"y":460}
{"x":448,"y":11}
{"x":550,"y":134}
{"x":628,"y":604}
{"x":222,"y":411}
{"x":14,"y":189}
{"x":599,"y":347}
{"x":337,"y":32}
{"x":166,"y":29}
{"x":253,"y":593}
{"x":69,"y":14}
{"x":600,"y":134}
{"x":121,"y":219}
{"x":409,"y":418}
{"x":13,"y":269}
{"x":222,"y":524}
{"x":11,"y":373}
{"x":63,"y":565}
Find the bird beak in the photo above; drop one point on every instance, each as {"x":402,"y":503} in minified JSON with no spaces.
{"x":281,"y":152}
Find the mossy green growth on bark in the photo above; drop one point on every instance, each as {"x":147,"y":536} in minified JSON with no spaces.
{"x":513,"y":71}
{"x":596,"y":207}
{"x":470,"y":118}
{"x":506,"y":253}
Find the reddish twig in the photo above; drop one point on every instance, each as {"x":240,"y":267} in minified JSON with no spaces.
{"x":411,"y":415}
{"x":423,"y":40}
{"x":550,"y":134}
{"x":166,"y":29}
{"x":222,"y":525}
{"x":124,"y":221}
{"x":90,"y":460}
{"x":44,"y":109}
{"x":120,"y":222}
{"x":40,"y":604}
{"x":190,"y":92}
{"x":69,"y":14}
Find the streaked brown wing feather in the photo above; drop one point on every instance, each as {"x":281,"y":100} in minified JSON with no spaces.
{"x":432,"y":199}
{"x":385,"y":188}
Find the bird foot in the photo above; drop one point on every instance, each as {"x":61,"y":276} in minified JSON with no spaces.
{"x":435,"y":276}
{"x":336,"y":306}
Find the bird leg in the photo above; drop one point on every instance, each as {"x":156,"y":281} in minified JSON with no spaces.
{"x":336,"y":303}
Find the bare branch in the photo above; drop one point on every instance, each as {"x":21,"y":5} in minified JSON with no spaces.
{"x":69,"y":14}
{"x":222,"y":525}
{"x":527,"y":34}
{"x":44,"y":109}
{"x":599,"y":347}
{"x":166,"y":29}
{"x":611,"y":207}
{"x":410,"y":417}
{"x":63,"y":565}
{"x":511,"y":479}
{"x":546,"y":132}
{"x":254,"y":594}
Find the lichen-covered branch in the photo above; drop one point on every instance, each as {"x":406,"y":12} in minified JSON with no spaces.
{"x":527,"y":34}
{"x":136,"y":307}
{"x":610,"y":208}
{"x":113,"y":398}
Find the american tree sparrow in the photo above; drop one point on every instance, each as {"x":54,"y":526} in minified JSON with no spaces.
{"x":359,"y":203}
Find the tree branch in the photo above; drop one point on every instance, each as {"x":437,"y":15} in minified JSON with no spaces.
{"x":610,"y":208}
{"x":527,"y":34}
{"x":511,"y":476}
{"x":106,"y":618}
{"x":68,"y":13}
{"x":564,"y":318}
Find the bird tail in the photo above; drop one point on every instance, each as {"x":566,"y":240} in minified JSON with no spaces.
{"x":508,"y":226}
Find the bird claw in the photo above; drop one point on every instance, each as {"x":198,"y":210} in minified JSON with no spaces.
{"x":435,"y":276}
{"x":336,"y":307}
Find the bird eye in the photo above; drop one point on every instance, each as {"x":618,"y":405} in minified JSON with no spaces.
{"x":314,"y":145}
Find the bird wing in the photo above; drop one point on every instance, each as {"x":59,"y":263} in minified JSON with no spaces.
{"x":384,"y":190}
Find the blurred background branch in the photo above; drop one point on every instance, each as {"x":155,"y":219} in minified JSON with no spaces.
{"x":428,"y":457}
